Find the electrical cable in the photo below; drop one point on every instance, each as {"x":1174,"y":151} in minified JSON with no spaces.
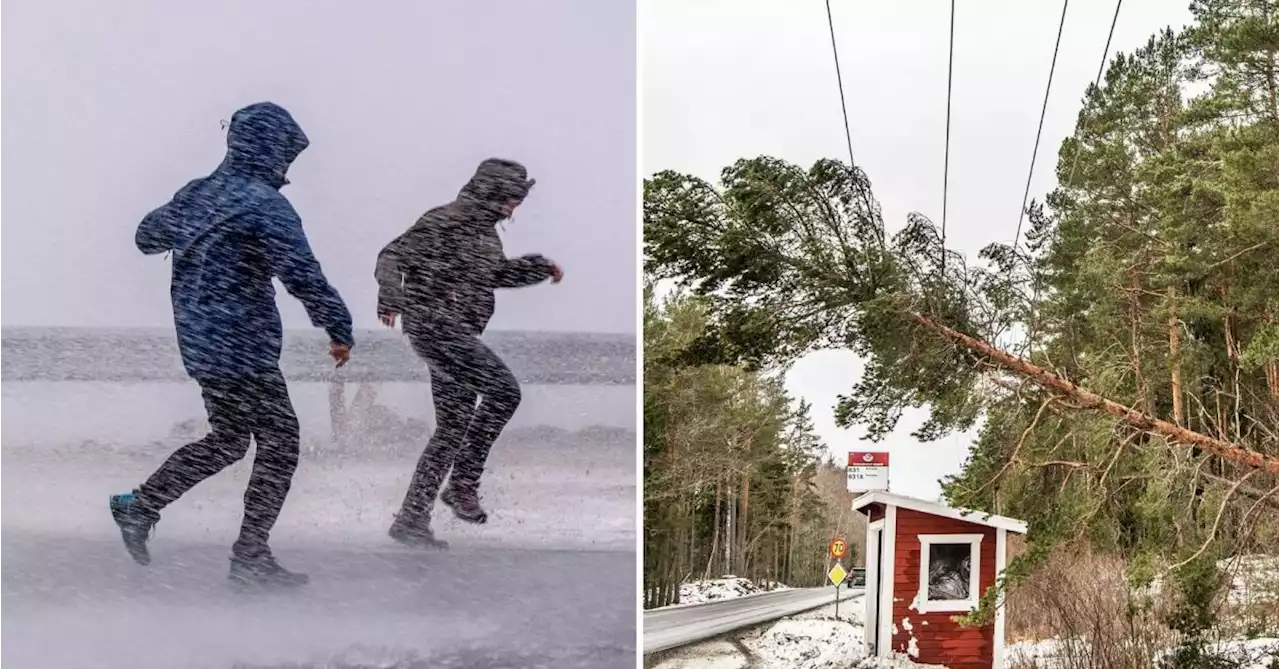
{"x":848,"y":136}
{"x":1097,"y":81}
{"x":946,"y":151}
{"x":1040,"y":130}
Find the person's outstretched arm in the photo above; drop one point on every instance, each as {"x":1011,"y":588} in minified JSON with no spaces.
{"x":526,"y":270}
{"x":291,"y":260}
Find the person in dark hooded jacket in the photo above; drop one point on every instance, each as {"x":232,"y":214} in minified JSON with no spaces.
{"x":440,"y":276}
{"x":230,"y":234}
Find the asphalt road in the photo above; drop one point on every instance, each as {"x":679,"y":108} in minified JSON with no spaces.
{"x":676,"y":626}
{"x":74,"y":602}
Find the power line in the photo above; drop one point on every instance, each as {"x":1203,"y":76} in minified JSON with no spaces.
{"x":1039,"y":130}
{"x":946,"y":151}
{"x":848,"y":137}
{"x":1106,"y":51}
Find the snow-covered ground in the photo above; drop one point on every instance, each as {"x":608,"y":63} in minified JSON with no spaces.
{"x":584,"y":503}
{"x":1251,"y":654}
{"x":549,"y":581}
{"x":1241,"y":654}
{"x":1252,"y":579}
{"x":812,"y":643}
{"x":816,"y":639}
{"x":725,"y":587}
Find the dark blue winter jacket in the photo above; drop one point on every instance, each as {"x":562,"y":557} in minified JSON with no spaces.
{"x":230,"y":233}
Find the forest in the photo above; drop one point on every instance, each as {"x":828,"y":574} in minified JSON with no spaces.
{"x":1118,"y":362}
{"x":735,"y":481}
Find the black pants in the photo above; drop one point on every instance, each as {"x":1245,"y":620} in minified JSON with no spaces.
{"x":463,"y":369}
{"x":254,"y":406}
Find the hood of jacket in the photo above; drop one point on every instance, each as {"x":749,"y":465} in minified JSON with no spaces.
{"x":263,"y":140}
{"x":495,"y":182}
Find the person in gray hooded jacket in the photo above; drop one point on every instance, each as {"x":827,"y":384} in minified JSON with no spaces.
{"x":439,"y":277}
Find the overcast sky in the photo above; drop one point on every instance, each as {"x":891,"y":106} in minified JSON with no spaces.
{"x":111,"y":106}
{"x":726,"y":79}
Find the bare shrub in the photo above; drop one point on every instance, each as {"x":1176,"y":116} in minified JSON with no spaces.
{"x":1084,"y":603}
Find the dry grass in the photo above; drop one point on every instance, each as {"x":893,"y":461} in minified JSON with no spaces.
{"x":1085,"y":597}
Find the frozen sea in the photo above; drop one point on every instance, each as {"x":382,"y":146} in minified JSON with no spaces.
{"x":548,"y":582}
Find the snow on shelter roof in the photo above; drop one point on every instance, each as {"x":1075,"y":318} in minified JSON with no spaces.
{"x":936,"y":509}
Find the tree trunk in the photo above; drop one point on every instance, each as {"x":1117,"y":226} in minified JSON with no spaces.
{"x":1086,"y":399}
{"x":1135,"y":339}
{"x":728,"y":531}
{"x":1273,"y":95}
{"x":793,"y":522}
{"x":1273,"y":380}
{"x":1272,"y":370}
{"x":692,"y":559}
{"x":1175,"y":379}
{"x":715,"y":532}
{"x":744,"y":500}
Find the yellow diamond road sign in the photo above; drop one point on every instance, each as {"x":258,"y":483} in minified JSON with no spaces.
{"x":837,"y":574}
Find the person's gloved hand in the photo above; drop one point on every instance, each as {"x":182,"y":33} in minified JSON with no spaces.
{"x":341,"y":353}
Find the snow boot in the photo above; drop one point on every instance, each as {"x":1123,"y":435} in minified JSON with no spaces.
{"x":262,"y":571}
{"x":415,"y":533}
{"x":465,"y":504}
{"x":136,"y":524}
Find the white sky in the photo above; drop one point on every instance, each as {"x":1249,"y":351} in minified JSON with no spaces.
{"x":727,"y":79}
{"x":111,"y":106}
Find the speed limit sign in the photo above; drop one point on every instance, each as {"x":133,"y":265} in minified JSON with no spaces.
{"x":838,"y":548}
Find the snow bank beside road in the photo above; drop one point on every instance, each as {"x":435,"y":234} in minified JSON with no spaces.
{"x":727,"y":587}
{"x":820,"y":640}
{"x":822,"y":643}
{"x":811,"y":640}
{"x":810,"y":644}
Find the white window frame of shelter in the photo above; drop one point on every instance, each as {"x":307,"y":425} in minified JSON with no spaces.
{"x":926,"y":605}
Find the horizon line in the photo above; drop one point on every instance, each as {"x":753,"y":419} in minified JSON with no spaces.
{"x":288,"y":330}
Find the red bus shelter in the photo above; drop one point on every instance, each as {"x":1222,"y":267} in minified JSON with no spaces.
{"x":928,"y":563}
